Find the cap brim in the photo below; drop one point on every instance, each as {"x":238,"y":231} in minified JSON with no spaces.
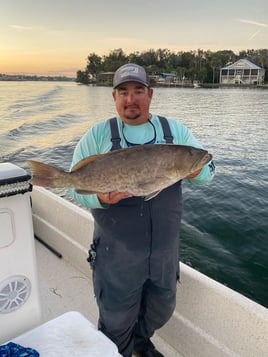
{"x":131,"y":80}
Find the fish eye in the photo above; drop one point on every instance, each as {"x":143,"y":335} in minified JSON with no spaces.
{"x":190,"y":151}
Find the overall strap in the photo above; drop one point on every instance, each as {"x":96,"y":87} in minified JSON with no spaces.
{"x":166,"y":130}
{"x":115,"y":138}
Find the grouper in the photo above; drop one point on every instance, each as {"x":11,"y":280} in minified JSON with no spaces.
{"x":142,"y":170}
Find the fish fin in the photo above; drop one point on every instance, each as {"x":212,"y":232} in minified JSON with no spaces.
{"x":43,"y":174}
{"x":84,"y":192}
{"x":85,"y":162}
{"x":151,"y":195}
{"x":92,"y":158}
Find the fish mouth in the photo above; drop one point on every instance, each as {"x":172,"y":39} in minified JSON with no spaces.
{"x":200,"y":163}
{"x":206,"y":158}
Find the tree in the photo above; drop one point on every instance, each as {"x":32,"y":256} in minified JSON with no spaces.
{"x":162,"y":58}
{"x":135,"y":57}
{"x":82,"y":77}
{"x":93,"y":64}
{"x":193,"y":65}
{"x":115,"y":59}
{"x":149,"y":58}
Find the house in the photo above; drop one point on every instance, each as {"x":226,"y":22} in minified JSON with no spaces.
{"x":167,"y":77}
{"x":105,"y":78}
{"x":242,"y":72}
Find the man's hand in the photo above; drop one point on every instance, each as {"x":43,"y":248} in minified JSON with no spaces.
{"x":113,"y":197}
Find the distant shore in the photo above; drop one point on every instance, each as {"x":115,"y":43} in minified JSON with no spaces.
{"x":210,"y":85}
{"x":189,"y":85}
{"x":182,"y":84}
{"x":22,"y":77}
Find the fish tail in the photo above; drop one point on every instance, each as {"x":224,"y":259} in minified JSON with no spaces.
{"x":46,"y":175}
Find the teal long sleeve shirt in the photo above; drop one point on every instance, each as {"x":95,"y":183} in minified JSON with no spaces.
{"x":97,"y":140}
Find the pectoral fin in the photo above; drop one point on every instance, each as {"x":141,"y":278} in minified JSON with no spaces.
{"x":152,"y":195}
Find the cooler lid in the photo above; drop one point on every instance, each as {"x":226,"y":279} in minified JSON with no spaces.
{"x":13,"y":180}
{"x":8,"y":170}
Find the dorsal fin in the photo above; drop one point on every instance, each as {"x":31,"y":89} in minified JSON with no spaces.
{"x":90,"y":159}
{"x":85,"y":162}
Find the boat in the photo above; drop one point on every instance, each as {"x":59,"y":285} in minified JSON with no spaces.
{"x":196,"y":84}
{"x":210,"y":319}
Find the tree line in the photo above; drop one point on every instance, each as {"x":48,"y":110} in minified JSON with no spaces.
{"x":203,"y":66}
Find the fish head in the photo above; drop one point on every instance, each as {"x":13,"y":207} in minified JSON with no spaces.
{"x":198,"y":158}
{"x":191,"y":159}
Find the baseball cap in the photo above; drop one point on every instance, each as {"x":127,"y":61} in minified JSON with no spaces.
{"x":130,"y":72}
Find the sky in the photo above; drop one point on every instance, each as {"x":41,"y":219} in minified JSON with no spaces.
{"x":54,"y":37}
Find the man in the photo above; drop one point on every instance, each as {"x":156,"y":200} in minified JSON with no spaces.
{"x":135,"y":250}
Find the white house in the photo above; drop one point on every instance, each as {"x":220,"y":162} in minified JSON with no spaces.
{"x":242,"y":72}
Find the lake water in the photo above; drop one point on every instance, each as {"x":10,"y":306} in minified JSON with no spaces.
{"x":225,"y":224}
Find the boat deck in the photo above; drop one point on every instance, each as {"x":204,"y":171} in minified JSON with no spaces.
{"x":63,"y":288}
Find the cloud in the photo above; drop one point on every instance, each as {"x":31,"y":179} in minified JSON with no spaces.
{"x":255,"y":23}
{"x":20,"y":28}
{"x":254,"y":34}
{"x":250,"y":22}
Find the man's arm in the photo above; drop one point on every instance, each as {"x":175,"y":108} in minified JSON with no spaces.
{"x":82,"y":150}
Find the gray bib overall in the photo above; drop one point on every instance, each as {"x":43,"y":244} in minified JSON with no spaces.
{"x":136,"y":268}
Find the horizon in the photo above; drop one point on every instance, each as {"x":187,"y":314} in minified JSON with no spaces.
{"x":55,"y":38}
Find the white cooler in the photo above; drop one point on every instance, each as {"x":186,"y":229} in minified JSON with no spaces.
{"x":19,"y":295}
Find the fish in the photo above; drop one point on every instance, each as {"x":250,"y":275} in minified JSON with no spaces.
{"x":141,"y":170}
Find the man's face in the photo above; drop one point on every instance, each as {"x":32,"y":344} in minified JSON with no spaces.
{"x":132,"y":101}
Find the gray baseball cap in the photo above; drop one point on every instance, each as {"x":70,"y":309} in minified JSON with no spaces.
{"x":130,"y":72}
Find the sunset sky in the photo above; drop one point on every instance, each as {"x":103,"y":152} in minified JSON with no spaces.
{"x":54,"y":37}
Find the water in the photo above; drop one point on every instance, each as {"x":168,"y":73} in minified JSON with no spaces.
{"x":225,"y":224}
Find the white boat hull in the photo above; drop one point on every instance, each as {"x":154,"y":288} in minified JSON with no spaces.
{"x":210,"y":320}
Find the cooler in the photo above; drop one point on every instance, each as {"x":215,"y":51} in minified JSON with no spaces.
{"x":19,"y":295}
